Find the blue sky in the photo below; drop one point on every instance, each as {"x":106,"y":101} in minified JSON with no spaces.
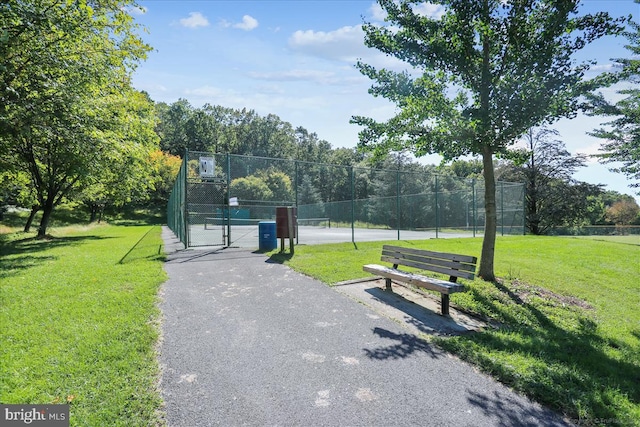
{"x":295,"y":59}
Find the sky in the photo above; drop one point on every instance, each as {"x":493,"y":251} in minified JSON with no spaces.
{"x":296,"y":59}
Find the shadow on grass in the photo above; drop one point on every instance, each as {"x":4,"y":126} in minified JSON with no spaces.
{"x":146,"y":248}
{"x":139,"y":219}
{"x":511,"y":412}
{"x":61,"y":216}
{"x":566,"y":363}
{"x":22,"y":254}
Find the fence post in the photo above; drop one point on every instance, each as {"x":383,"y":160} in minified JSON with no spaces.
{"x":473,"y":205}
{"x":524,"y":210}
{"x":437,"y":209}
{"x":228,"y":196}
{"x":187,"y":228}
{"x":398,"y":202}
{"x":353,"y":205}
{"x":295,"y":183}
{"x":502,"y":207}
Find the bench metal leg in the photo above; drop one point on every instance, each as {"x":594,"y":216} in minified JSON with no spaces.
{"x":387,"y":282}
{"x":444,"y":304}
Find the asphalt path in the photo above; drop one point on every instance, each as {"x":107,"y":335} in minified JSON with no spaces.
{"x":250,"y":342}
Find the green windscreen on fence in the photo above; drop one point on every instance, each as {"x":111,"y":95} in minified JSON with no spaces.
{"x":226,"y":204}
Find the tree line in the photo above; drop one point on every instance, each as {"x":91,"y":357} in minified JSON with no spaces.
{"x":553,"y":198}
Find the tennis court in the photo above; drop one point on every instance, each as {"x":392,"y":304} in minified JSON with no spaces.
{"x":223,"y":205}
{"x":248,"y":236}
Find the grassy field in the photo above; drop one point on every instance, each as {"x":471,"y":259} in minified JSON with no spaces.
{"x":79,"y":322}
{"x":79,"y":319}
{"x":569,"y":310}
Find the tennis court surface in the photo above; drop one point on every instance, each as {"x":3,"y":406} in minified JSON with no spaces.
{"x":248,"y":236}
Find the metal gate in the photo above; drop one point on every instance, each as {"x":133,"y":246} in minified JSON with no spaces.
{"x":206,"y":212}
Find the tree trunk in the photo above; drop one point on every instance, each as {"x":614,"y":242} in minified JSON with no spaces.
{"x":93,"y":208}
{"x":32,"y":215}
{"x":490,"y":219}
{"x":533,"y":221}
{"x":47,"y":209}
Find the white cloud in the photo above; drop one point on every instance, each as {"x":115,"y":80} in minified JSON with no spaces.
{"x":195,"y":20}
{"x":598,"y":68}
{"x":591,"y":151}
{"x":136,"y":10}
{"x":435,"y":11}
{"x":308,"y":75}
{"x":347,"y":77}
{"x":265,"y":102}
{"x":248,"y":23}
{"x":430,"y":10}
{"x":377,"y":12}
{"x":343,"y":44}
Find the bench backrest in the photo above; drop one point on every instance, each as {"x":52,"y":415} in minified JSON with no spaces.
{"x":453,"y":265}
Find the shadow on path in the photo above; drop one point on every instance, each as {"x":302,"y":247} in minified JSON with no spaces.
{"x":406,"y":346}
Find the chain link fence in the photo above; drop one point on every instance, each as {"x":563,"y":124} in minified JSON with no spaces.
{"x":226,"y":204}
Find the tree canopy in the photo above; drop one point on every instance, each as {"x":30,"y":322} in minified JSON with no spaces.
{"x":553,"y":198}
{"x":481,"y":75}
{"x":67,"y":110}
{"x":622,"y":137}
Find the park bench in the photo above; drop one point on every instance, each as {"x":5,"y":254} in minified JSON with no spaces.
{"x":452,"y":265}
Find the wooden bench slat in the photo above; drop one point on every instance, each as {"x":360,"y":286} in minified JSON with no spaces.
{"x":453,"y":257}
{"x":428,"y":267}
{"x":430,"y":283}
{"x":433,"y":260}
{"x":452,"y":265}
{"x":427,"y":263}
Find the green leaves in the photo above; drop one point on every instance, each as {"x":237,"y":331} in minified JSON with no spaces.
{"x":622,"y":138}
{"x":517,"y":55}
{"x":479,"y":77}
{"x":67,"y":109}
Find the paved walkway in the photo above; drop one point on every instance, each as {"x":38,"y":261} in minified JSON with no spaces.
{"x":250,"y":342}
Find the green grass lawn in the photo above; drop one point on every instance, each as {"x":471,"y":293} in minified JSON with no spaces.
{"x":78,"y":317}
{"x":79,"y":322}
{"x":569,"y":310}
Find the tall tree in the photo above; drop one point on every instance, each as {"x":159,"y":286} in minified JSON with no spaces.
{"x":483,"y":73}
{"x":165,"y":168}
{"x":623,"y":212}
{"x":622,"y":138}
{"x":61,"y":61}
{"x":125,"y":173}
{"x":547,"y":173}
{"x":172,"y":127}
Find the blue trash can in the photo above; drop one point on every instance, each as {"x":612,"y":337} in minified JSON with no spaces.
{"x":267,"y":240}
